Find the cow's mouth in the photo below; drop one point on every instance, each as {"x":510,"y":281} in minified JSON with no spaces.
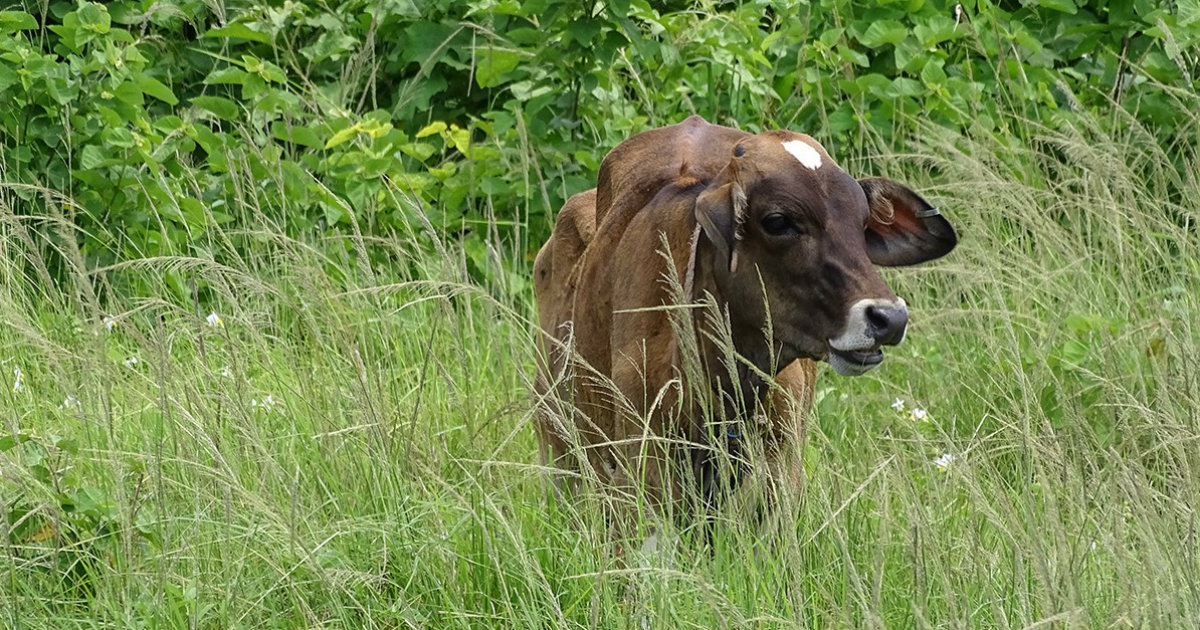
{"x":854,"y":362}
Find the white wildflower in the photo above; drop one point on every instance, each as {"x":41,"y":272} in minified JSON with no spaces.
{"x":71,"y":402}
{"x":214,"y":320}
{"x":226,"y":372}
{"x":267,"y":404}
{"x":944,"y":461}
{"x":898,"y":404}
{"x":110,"y":323}
{"x":18,"y":384}
{"x":918,"y":414}
{"x":132,"y":361}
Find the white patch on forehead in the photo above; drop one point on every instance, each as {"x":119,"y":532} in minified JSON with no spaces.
{"x":804,"y":153}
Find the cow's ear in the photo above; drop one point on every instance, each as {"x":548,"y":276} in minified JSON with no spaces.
{"x":719,"y":211}
{"x":903,"y":229}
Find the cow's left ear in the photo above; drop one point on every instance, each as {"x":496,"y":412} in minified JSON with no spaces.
{"x":720,"y":211}
{"x":903,"y":228}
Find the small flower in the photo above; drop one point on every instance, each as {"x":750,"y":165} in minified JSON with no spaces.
{"x":226,"y":372}
{"x":919,"y":415}
{"x":898,"y":404}
{"x":132,"y":361}
{"x":267,"y":404}
{"x":944,"y":462}
{"x":71,"y":402}
{"x":19,"y":384}
{"x":110,"y":323}
{"x":213,"y":320}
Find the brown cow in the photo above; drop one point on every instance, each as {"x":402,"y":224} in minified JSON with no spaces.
{"x":775,"y":238}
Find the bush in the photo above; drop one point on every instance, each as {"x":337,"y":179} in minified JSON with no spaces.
{"x":153,"y":121}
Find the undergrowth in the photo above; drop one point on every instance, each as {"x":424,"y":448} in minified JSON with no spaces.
{"x":337,"y":433}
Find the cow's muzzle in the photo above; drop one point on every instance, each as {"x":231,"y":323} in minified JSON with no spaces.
{"x":869,"y":325}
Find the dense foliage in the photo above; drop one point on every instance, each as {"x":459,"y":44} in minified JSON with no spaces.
{"x":145,"y":122}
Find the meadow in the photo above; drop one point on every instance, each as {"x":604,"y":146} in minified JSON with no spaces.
{"x":265,"y":427}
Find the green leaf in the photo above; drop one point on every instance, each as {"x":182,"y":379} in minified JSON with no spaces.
{"x":226,"y":76}
{"x":853,"y":56}
{"x":831,"y":36}
{"x":403,"y":8}
{"x":153,"y":87}
{"x":119,"y":137}
{"x":1074,"y":351}
{"x":264,"y":69}
{"x":330,"y":46}
{"x":432,"y":128}
{"x":1066,"y":6}
{"x":461,"y":139}
{"x":218,"y":106}
{"x":584,"y":30}
{"x":425,"y":41}
{"x":909,"y":55}
{"x":297,"y":134}
{"x":1189,"y":12}
{"x":874,"y":83}
{"x":933,"y":74}
{"x":272,"y":72}
{"x":882,"y":32}
{"x":419,"y":150}
{"x":938,"y":29}
{"x":239,"y":31}
{"x":9,"y":440}
{"x":904,"y":86}
{"x":92,"y":156}
{"x":492,"y":63}
{"x":343,"y":135}
{"x":93,"y":17}
{"x":16,"y":21}
{"x":90,"y":501}
{"x":193,"y":212}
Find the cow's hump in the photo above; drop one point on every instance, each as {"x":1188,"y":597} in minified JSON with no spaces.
{"x":638,"y":168}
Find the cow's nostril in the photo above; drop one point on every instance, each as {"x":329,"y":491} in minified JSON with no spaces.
{"x":887,"y":323}
{"x":877,"y":317}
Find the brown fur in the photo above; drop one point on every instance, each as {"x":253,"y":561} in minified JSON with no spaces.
{"x":612,"y":374}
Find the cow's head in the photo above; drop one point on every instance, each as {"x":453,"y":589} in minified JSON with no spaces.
{"x":792,"y":230}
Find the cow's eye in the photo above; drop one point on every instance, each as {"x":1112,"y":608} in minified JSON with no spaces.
{"x":777,"y":224}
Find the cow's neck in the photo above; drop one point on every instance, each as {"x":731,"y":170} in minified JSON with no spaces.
{"x":746,"y":334}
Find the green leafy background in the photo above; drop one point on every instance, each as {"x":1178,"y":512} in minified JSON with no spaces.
{"x":137,"y":111}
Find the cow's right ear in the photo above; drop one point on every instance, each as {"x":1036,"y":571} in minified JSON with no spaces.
{"x":719,"y":211}
{"x":903,"y":229}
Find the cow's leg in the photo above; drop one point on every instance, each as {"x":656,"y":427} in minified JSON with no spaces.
{"x":774,"y":487}
{"x":789,"y":409}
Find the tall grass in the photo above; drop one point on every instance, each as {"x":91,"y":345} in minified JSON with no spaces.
{"x":352,"y":446}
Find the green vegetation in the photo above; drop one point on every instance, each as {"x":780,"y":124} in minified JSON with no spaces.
{"x":355,"y":189}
